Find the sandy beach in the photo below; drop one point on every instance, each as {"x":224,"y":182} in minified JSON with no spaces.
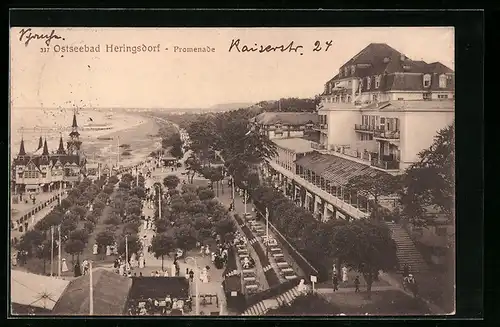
{"x":94,"y":127}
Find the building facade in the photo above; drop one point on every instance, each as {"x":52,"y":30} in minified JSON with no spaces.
{"x":383,"y":108}
{"x":43,"y":171}
{"x":375,"y":116}
{"x":276,"y":125}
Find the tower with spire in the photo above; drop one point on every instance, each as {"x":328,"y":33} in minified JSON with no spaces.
{"x":74,"y":143}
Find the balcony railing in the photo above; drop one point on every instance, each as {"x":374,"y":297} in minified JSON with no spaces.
{"x":391,"y":135}
{"x":318,"y":146}
{"x":364,"y":128}
{"x":385,"y":164}
{"x":320,"y":126}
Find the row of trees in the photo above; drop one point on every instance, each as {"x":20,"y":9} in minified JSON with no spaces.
{"x":75,"y":219}
{"x":125,"y":216}
{"x":188,"y":217}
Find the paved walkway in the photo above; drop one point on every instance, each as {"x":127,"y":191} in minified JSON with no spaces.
{"x":214,"y":286}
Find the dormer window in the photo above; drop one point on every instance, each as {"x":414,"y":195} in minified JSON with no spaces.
{"x":346,"y":70}
{"x":427,"y":80}
{"x":340,"y":72}
{"x":353,"y":69}
{"x":361,"y":84}
{"x":368,"y":83}
{"x":377,"y":82}
{"x":442,"y":81}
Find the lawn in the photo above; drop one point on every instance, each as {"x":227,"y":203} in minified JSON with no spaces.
{"x":382,"y":303}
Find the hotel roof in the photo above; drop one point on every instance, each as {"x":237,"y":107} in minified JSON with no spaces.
{"x":335,"y":169}
{"x":295,"y":144}
{"x":414,"y":105}
{"x":285,"y":118}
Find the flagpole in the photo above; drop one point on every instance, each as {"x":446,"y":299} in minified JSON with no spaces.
{"x":91,"y":290}
{"x":51,"y":250}
{"x":59,"y":246}
{"x":267,"y":229}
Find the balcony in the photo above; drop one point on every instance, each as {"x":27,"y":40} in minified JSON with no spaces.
{"x":318,"y":146}
{"x":320,"y":127}
{"x":386,"y":164}
{"x":387,"y":135}
{"x":364,"y":128}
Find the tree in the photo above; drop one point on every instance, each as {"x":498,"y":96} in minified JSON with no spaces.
{"x":430,"y":182}
{"x":205,"y":194}
{"x":43,"y":251}
{"x":375,"y":187}
{"x":162,"y":244}
{"x":186,"y":237}
{"x":171,"y":182}
{"x":140,"y":192}
{"x":173,"y":142}
{"x":74,"y":247}
{"x":79,"y":234}
{"x":104,"y":239}
{"x":363,"y":245}
{"x":193,"y":166}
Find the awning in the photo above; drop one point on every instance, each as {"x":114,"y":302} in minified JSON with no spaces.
{"x":32,"y":187}
{"x":335,"y":169}
{"x":35,"y":290}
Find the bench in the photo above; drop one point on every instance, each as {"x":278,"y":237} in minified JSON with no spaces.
{"x":248,"y":271}
{"x":275,"y":249}
{"x":250,"y":278}
{"x":278,"y":255}
{"x":242,"y":250}
{"x":243,"y":256}
{"x":251,"y":286}
{"x":282,"y":264}
{"x":290,"y":277}
{"x":287,"y":269}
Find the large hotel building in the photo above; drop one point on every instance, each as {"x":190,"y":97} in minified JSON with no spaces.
{"x":375,"y":116}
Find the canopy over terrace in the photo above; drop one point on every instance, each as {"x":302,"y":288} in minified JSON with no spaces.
{"x":158,"y":288}
{"x":35,"y":291}
{"x":332,"y":173}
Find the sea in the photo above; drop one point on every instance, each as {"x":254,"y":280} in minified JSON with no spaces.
{"x":51,"y":123}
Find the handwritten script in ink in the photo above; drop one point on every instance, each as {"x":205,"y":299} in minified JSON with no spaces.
{"x":26,"y":36}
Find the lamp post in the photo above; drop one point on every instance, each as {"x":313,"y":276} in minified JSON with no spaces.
{"x":91,"y":290}
{"x":126,"y":252}
{"x":196,"y":276}
{"x":159,"y":201}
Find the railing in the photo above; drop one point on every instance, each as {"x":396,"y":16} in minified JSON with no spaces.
{"x":386,"y":164}
{"x":320,"y":126}
{"x":392,"y":135}
{"x":318,"y":146}
{"x":366,"y":128}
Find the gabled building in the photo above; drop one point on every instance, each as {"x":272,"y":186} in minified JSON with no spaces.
{"x":43,"y":171}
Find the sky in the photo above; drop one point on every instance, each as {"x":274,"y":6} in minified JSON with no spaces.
{"x":196,"y":80}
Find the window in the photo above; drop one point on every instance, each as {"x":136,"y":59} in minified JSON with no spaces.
{"x":442,"y":81}
{"x":427,"y":80}
{"x":368,"y":82}
{"x":377,"y":82}
{"x":442,"y":96}
{"x":340,"y":72}
{"x":375,"y":97}
{"x":353,"y":69}
{"x":348,"y":98}
{"x":400,"y":99}
{"x":361,"y":84}
{"x":382,"y":123}
{"x":349,"y":83}
{"x":346,"y":70}
{"x":427,"y":96}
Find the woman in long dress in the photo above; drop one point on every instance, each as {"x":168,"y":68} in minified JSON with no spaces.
{"x":64,"y":266}
{"x":95,"y":249}
{"x":108,"y":250}
{"x":345,"y":278}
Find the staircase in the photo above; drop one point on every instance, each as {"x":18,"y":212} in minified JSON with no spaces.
{"x":406,"y":251}
{"x":261,"y":308}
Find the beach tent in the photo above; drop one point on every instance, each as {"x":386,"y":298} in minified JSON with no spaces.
{"x":36,"y":291}
{"x":110,"y":294}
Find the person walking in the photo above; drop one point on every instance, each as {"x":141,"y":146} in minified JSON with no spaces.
{"x":356,"y":284}
{"x":335,"y":282}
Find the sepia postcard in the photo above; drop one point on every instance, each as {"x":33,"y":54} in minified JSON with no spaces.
{"x":232,"y":171}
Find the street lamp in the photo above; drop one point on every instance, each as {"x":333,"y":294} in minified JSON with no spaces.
{"x":159,"y":200}
{"x":196,"y":276}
